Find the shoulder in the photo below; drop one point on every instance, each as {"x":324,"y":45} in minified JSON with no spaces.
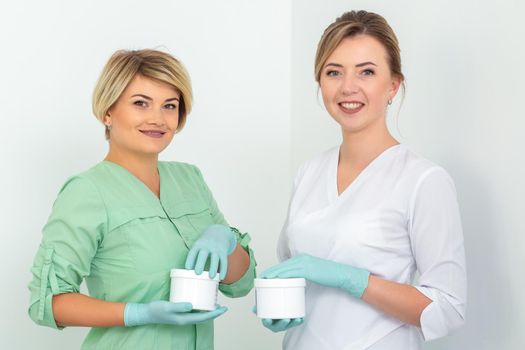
{"x":419,"y":171}
{"x":317,"y":163}
{"x":100,"y":176}
{"x":322,"y":158}
{"x":418,"y":167}
{"x":84,"y":182}
{"x":80,"y":190}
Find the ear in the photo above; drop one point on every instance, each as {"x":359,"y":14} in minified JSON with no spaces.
{"x":107,"y":118}
{"x":394,"y":87}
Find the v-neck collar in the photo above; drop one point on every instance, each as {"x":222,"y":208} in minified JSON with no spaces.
{"x":139,"y":183}
{"x":333,"y":193}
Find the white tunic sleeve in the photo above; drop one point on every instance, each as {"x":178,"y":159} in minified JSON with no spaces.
{"x":283,"y":248}
{"x":437,"y":243}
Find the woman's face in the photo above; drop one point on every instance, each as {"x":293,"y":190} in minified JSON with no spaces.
{"x":144,"y":118}
{"x":356,"y":84}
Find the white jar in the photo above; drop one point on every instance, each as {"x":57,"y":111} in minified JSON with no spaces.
{"x":280,"y":298}
{"x":199,"y":290}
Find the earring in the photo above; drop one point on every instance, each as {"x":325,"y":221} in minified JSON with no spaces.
{"x":108,"y":124}
{"x":389,"y":102}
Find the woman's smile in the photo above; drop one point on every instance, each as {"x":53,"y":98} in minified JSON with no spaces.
{"x":153,"y":133}
{"x":351,"y":107}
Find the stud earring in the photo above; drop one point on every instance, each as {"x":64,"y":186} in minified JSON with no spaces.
{"x":389,"y":102}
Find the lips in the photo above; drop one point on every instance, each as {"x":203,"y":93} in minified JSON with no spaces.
{"x":153,"y":133}
{"x":351,"y":107}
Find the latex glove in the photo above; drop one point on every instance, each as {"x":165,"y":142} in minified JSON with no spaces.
{"x":216,"y":242}
{"x":325,"y":272}
{"x":279,"y":325}
{"x":165,"y":312}
{"x":282,"y":324}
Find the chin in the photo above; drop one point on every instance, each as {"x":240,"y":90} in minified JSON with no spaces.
{"x":350,"y":125}
{"x":154,"y":147}
{"x":155,"y":151}
{"x":151,"y":151}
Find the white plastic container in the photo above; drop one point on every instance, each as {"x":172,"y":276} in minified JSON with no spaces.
{"x":280,"y":298}
{"x":199,"y":290}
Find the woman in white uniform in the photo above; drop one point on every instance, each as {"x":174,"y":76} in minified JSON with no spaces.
{"x":373,"y":227}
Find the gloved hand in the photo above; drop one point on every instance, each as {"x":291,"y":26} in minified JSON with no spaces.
{"x":217,"y":242}
{"x":279,"y":325}
{"x":325,"y":272}
{"x":165,"y":312}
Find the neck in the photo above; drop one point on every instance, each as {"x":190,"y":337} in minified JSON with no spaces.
{"x":360,"y":148}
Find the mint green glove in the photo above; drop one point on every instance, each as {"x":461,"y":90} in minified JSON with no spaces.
{"x":279,"y":325}
{"x":325,"y":272}
{"x":216,"y":242}
{"x":165,"y":312}
{"x":282,"y":324}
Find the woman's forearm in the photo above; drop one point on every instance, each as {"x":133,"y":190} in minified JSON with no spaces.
{"x":75,"y":309}
{"x":401,"y":301}
{"x":238,"y":263}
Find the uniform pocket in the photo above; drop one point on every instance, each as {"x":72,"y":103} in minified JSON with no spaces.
{"x":154,"y":244}
{"x":190,"y":219}
{"x":141,"y":239}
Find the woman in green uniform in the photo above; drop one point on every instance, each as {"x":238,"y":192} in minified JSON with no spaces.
{"x":126,"y":222}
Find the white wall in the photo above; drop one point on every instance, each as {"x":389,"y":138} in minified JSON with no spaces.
{"x":256,"y":118}
{"x":464,"y":64}
{"x":238,"y":132}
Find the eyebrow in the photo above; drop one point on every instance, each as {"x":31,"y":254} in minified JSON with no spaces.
{"x":365,"y":64}
{"x":357,"y":65}
{"x":150,"y":99}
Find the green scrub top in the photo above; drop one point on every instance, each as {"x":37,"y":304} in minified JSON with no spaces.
{"x":108,"y":228}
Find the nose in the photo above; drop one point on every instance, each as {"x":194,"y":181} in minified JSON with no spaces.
{"x":156,"y":117}
{"x":349,"y":85}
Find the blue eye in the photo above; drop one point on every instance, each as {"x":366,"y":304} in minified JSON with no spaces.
{"x":170,"y":106}
{"x":332,"y":73}
{"x":368,"y":72}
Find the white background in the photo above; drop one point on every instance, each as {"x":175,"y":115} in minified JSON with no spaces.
{"x":256,"y":117}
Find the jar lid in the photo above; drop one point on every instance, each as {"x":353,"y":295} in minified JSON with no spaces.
{"x":191,"y":274}
{"x":279,"y":282}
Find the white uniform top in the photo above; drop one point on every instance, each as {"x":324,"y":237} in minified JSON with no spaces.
{"x":399,"y":216}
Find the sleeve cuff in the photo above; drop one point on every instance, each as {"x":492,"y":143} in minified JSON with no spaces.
{"x":244,"y":285}
{"x":440,"y":317}
{"x":44,"y":286}
{"x":47,"y":318}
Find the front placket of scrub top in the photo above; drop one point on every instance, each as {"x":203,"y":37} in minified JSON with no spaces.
{"x":177,"y":205}
{"x":164,"y":199}
{"x":181,"y":203}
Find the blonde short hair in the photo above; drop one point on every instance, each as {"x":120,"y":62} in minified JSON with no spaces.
{"x":355,"y":23}
{"x":124,"y":65}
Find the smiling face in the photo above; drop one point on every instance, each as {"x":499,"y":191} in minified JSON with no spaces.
{"x":356,"y":84}
{"x":144,"y":118}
